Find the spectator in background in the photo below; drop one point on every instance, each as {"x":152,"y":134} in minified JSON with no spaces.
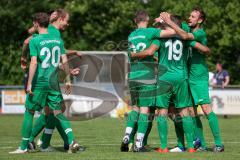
{"x":222,"y":77}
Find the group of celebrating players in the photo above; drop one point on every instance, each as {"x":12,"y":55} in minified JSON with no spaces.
{"x":180,"y":86}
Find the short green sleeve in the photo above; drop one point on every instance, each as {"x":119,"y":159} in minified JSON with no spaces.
{"x":192,"y":43}
{"x":185,"y":27}
{"x":33,"y":48}
{"x":155,"y":33}
{"x":156,"y":42}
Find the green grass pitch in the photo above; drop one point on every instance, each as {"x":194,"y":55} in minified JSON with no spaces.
{"x":102,"y":138}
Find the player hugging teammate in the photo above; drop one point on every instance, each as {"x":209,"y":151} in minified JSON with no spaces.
{"x":43,"y":90}
{"x":182,"y":82}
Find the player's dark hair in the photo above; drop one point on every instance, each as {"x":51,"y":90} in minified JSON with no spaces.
{"x":176,"y":19}
{"x":41,"y":18}
{"x":202,"y":13}
{"x":60,"y":13}
{"x":140,"y":16}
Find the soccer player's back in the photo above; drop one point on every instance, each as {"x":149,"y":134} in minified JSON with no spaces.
{"x":173,"y":55}
{"x":139,"y":40}
{"x":48,"y":49}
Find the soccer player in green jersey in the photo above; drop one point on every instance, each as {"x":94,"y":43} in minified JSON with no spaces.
{"x":139,"y":40}
{"x":198,"y":79}
{"x":46,"y":50}
{"x":59,"y":21}
{"x":173,"y":55}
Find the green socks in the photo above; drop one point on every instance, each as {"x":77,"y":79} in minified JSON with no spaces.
{"x":213,"y":123}
{"x":65,"y":124}
{"x":132,"y":135}
{"x":187,"y":127}
{"x":61,"y":131}
{"x":162,"y":130}
{"x":198,"y":130}
{"x":142,"y":129}
{"x":48,"y":131}
{"x":147,"y":133}
{"x":39,"y":124}
{"x":131,"y":121}
{"x":179,"y":131}
{"x":26,"y":129}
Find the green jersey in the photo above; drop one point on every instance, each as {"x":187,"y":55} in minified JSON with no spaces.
{"x":48,"y":49}
{"x":198,"y":69}
{"x":53,"y":30}
{"x":184,"y":26}
{"x":173,"y":54}
{"x":139,"y":40}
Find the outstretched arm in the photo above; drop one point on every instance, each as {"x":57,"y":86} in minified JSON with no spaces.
{"x":72,"y":52}
{"x":167,"y":33}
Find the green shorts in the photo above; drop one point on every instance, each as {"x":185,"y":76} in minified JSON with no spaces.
{"x":200,"y":92}
{"x":142,"y":95}
{"x":179,"y":95}
{"x":42,"y":98}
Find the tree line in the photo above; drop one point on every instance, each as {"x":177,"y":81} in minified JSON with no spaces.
{"x":96,"y":23}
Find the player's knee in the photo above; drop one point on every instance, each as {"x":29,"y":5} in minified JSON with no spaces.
{"x":144,"y":110}
{"x":162,"y":112}
{"x":206,"y":108}
{"x":183,"y":112}
{"x":192,"y":112}
{"x":172,"y":112}
{"x":135,"y":108}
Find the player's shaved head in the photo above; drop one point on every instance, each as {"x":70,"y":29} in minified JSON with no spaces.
{"x":41,"y":18}
{"x":176,"y":19}
{"x":141,"y":16}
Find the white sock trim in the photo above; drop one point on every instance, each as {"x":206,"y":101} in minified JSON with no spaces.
{"x":68,"y":130}
{"x":128,"y":130}
{"x":25,"y":139}
{"x":139,"y":140}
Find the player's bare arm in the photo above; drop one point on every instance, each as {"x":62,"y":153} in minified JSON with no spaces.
{"x":32,"y":70}
{"x":167,"y":33}
{"x":73,"y":52}
{"x":147,"y":52}
{"x":204,"y":49}
{"x":24,"y":53}
{"x":184,"y":35}
{"x":68,"y":71}
{"x":31,"y":30}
